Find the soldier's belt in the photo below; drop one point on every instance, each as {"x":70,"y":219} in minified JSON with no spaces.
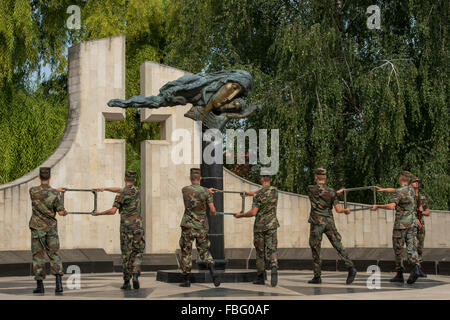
{"x":364,"y":207}
{"x":81,"y":190}
{"x":243,"y":200}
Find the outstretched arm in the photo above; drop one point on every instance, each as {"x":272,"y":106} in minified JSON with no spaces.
{"x":249,"y":193}
{"x":150,"y":102}
{"x":389,"y":206}
{"x":111,"y":211}
{"x":425,"y":212}
{"x":212,"y":209}
{"x":111,"y":189}
{"x":59,"y":205}
{"x":251,"y":213}
{"x":389,"y":190}
{"x":339,"y":209}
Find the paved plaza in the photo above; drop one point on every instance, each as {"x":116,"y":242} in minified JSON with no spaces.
{"x":292,"y":286}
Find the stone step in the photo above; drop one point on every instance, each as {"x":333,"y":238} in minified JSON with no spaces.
{"x":91,"y":260}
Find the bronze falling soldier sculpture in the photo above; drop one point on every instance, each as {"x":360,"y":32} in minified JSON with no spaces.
{"x":216,"y":97}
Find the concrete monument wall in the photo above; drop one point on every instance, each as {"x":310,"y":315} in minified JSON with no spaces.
{"x":162,"y":179}
{"x":83,"y":159}
{"x":368,"y":229}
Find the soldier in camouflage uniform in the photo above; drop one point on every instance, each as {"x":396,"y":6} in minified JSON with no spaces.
{"x":421,"y":210}
{"x":46,"y":202}
{"x":194,"y":227}
{"x":264,"y":209}
{"x":405,"y":227}
{"x":132,"y":241}
{"x":323,"y":199}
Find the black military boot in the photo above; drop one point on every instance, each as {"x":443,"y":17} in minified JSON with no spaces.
{"x":259,"y":279}
{"x":39,"y":287}
{"x":415,"y":273}
{"x":214,"y":275}
{"x":186,"y":282}
{"x":135,"y":281}
{"x":351,"y":275}
{"x":398,"y":277}
{"x":315,"y":280}
{"x":126,"y":285}
{"x":58,"y":286}
{"x":274,"y":277}
{"x":422,"y":274}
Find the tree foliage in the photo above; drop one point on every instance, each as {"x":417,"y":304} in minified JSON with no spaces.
{"x":364,"y":103}
{"x":34,"y":41}
{"x":30,"y":129}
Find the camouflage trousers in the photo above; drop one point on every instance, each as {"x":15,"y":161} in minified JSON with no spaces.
{"x":132,"y":245}
{"x":315,"y":242}
{"x":420,"y":243}
{"x":188,"y":235}
{"x":399,"y":238}
{"x":45,"y":243}
{"x":266,"y":243}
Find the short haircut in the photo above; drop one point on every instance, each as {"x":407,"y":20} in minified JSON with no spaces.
{"x":130,"y":179}
{"x":266,"y":178}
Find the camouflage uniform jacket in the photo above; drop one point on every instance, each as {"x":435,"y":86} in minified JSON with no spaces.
{"x":266,"y":200}
{"x":45,"y":202}
{"x":196,"y":198}
{"x":405,"y":204}
{"x":322,"y":199}
{"x":128,"y":202}
{"x":424,"y":203}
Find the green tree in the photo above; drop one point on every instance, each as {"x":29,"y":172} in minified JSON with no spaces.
{"x":33,"y":50}
{"x":30,"y":128}
{"x":363,"y":103}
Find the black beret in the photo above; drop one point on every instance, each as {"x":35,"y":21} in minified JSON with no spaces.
{"x":321,"y":172}
{"x":44,"y":170}
{"x":129,"y":174}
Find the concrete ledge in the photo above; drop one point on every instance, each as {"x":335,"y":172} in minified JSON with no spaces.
{"x":99,"y":260}
{"x":92,"y":260}
{"x":19,"y":263}
{"x":15,"y":263}
{"x":151,"y":262}
{"x":230,"y":276}
{"x":444,"y":268}
{"x":386,"y":265}
{"x":76,"y":258}
{"x":360,"y":265}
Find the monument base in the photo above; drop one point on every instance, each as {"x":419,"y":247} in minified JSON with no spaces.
{"x":219,"y":264}
{"x":203,"y":276}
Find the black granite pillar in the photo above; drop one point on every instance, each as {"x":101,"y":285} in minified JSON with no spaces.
{"x":212,"y":177}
